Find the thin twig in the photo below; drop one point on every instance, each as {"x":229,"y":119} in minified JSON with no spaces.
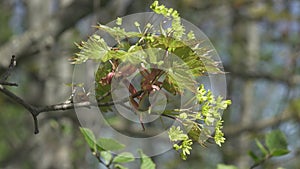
{"x":14,"y":97}
{"x":11,"y":66}
{"x":26,"y":105}
{"x":6,"y":74}
{"x":260,"y":162}
{"x":35,"y":111}
{"x":17,"y":99}
{"x":8,"y":84}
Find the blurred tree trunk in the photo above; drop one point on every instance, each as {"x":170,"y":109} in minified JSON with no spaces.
{"x":251,"y":58}
{"x":244,"y":52}
{"x":53,"y":148}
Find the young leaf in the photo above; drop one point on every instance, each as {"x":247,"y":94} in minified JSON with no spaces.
{"x":109,"y":144}
{"x":253,"y":156}
{"x":89,"y":137}
{"x":118,"y":32}
{"x":261,"y":147}
{"x":181,"y":79}
{"x":276,"y":143}
{"x":124,"y":157}
{"x":94,"y":49}
{"x":280,"y":152}
{"x":106,"y":156}
{"x":146,"y":162}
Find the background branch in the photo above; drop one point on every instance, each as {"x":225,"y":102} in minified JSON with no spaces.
{"x":25,"y":44}
{"x":36,"y":110}
{"x":293,"y":79}
{"x":236,"y":130}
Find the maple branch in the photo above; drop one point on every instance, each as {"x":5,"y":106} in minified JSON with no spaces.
{"x":36,"y":110}
{"x":14,"y":97}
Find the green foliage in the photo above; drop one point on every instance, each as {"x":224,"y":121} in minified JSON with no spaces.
{"x":103,"y":144}
{"x":123,"y":158}
{"x":102,"y":150}
{"x":209,"y":114}
{"x":177,"y":28}
{"x":106,"y":156}
{"x":176,"y":134}
{"x":261,"y":147}
{"x":93,"y":49}
{"x":275,"y":145}
{"x":109,"y":144}
{"x":149,"y":51}
{"x":184,"y":142}
{"x":146,"y":162}
{"x":219,"y":135}
{"x":89,"y":138}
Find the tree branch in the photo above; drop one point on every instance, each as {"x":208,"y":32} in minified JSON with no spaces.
{"x":36,"y":110}
{"x":16,"y":98}
{"x":8,"y":84}
{"x":233,"y":130}
{"x":289,"y":80}
{"x":26,"y":105}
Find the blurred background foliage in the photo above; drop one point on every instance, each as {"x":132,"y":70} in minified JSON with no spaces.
{"x":258,"y":42}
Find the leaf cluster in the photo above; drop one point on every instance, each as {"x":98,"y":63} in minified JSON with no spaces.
{"x":275,"y":144}
{"x":154,"y":48}
{"x":103,"y":149}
